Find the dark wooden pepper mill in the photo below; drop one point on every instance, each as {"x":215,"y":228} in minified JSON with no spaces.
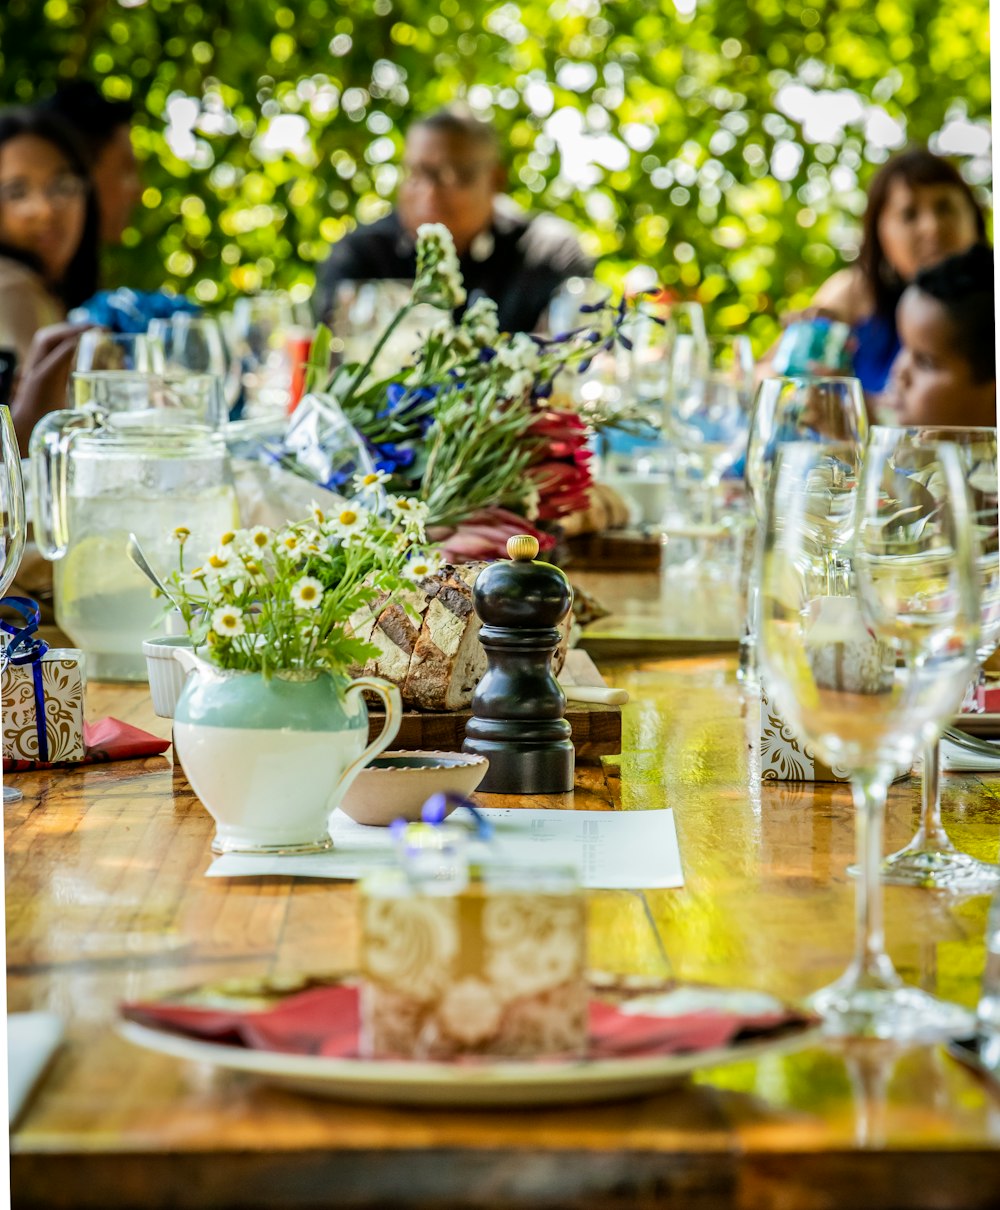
{"x":517,"y":712}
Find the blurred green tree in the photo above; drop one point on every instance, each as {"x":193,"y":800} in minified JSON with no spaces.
{"x":724,"y":143}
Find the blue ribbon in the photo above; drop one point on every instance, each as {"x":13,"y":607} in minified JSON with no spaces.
{"x":25,"y":648}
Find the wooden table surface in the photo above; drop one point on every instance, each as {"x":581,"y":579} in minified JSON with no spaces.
{"x":106,"y":901}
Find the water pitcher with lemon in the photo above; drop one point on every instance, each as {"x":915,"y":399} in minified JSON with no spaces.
{"x":94,"y":483}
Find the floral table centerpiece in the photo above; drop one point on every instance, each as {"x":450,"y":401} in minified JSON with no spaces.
{"x":270,"y":729}
{"x":469,"y":428}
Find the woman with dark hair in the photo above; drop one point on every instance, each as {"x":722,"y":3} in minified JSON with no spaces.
{"x":103,"y":128}
{"x":48,"y":226}
{"x":920,"y":211}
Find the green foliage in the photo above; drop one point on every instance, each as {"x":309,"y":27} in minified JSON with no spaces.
{"x":678,"y":112}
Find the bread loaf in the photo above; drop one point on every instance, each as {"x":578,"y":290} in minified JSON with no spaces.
{"x":431,"y":653}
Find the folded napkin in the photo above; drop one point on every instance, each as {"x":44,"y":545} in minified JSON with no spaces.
{"x":32,"y":1040}
{"x":106,"y":740}
{"x":325,"y":1021}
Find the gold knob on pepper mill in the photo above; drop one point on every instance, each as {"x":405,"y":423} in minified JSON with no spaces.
{"x":522,"y":548}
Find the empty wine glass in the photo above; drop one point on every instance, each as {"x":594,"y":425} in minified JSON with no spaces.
{"x":260,"y":327}
{"x":931,"y":859}
{"x":102,"y":350}
{"x":12,"y":523}
{"x":708,"y":406}
{"x":869,"y":677}
{"x":826,"y":411}
{"x":192,"y":344}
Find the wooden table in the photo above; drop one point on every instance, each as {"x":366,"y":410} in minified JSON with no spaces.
{"x":106,"y":901}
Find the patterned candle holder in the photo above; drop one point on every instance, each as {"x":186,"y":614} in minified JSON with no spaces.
{"x":498,"y":969}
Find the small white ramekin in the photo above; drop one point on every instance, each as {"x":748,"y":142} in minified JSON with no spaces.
{"x":166,"y":676}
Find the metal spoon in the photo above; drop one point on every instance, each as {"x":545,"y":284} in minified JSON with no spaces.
{"x":135,"y":554}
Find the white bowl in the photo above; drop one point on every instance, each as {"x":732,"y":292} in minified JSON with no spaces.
{"x":166,"y":676}
{"x":397,"y":784}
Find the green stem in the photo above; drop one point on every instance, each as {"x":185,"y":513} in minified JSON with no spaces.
{"x":362,"y":374}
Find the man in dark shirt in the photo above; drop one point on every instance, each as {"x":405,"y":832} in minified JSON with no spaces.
{"x":452,"y":175}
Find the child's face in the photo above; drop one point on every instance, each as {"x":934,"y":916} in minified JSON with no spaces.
{"x":931,"y":381}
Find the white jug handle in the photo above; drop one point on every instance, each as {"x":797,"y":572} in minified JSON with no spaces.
{"x":393,"y":718}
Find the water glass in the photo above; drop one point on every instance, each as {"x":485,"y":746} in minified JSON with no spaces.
{"x":708,"y":405}
{"x":868,"y":676}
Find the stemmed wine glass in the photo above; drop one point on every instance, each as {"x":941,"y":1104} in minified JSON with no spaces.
{"x":868,"y":677}
{"x":260,"y":329}
{"x":708,"y":406}
{"x":100,"y":350}
{"x":931,"y":859}
{"x":826,"y":411}
{"x":12,"y":522}
{"x":192,"y":344}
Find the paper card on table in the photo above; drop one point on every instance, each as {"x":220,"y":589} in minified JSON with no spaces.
{"x":612,"y":850}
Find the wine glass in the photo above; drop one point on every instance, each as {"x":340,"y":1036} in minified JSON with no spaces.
{"x":260,"y":327}
{"x":192,"y":344}
{"x":101,"y":350}
{"x":12,"y":523}
{"x":931,"y":859}
{"x":708,"y":406}
{"x":795,"y":408}
{"x":868,"y":677}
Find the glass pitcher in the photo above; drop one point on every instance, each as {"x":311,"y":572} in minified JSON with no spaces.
{"x":93,"y":485}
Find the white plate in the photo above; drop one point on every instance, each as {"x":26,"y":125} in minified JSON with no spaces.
{"x":493,"y":1084}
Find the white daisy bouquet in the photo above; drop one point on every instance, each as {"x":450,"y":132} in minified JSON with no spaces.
{"x":457,"y":427}
{"x":279,"y":599}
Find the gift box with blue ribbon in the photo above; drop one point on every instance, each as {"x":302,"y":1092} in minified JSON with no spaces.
{"x":42,"y":691}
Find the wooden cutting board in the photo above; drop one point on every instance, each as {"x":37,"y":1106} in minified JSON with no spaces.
{"x":597,"y":730}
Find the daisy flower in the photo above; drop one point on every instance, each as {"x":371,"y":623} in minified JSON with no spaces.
{"x":219,"y":559}
{"x":258,"y":538}
{"x":371,"y":481}
{"x":228,"y":538}
{"x":407,"y":507}
{"x":349,"y":520}
{"x":419,"y":567}
{"x":181,"y":534}
{"x":227,"y":622}
{"x":307,"y":593}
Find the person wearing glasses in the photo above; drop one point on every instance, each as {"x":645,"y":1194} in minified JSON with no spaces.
{"x":103,"y":128}
{"x":48,"y":256}
{"x":48,"y":226}
{"x":452,"y":174}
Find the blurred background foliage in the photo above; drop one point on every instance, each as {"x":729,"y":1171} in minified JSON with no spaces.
{"x":724,"y":143}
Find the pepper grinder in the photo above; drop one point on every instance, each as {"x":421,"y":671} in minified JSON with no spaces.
{"x":517,"y":711}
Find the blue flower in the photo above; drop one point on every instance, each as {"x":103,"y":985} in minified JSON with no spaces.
{"x":392,"y":458}
{"x":400,"y":399}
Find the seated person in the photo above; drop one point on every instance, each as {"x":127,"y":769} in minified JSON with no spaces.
{"x":48,"y":256}
{"x":103,"y":128}
{"x":48,"y":226}
{"x":920,"y":211}
{"x":946,"y":370}
{"x":452,"y":175}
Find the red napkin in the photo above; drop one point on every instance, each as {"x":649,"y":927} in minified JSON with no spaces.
{"x":325,"y":1021}
{"x":106,"y":740}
